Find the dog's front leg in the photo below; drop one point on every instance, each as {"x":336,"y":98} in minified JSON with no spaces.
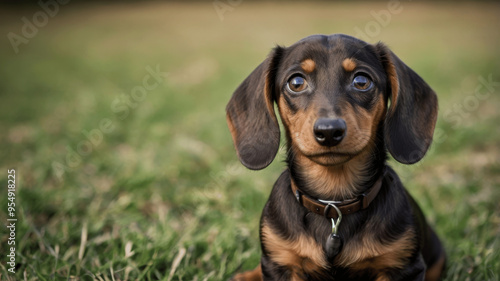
{"x":273,"y":272}
{"x":251,"y":275}
{"x":413,"y":272}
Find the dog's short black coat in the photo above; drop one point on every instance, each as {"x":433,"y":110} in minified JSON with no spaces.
{"x":344,"y":103}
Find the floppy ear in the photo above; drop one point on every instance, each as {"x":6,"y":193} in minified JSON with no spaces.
{"x":251,"y":118}
{"x":410,"y":122}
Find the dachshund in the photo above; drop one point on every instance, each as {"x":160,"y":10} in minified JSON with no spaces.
{"x":338,"y":211}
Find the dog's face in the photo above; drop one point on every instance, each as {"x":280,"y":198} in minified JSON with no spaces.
{"x":332,"y":93}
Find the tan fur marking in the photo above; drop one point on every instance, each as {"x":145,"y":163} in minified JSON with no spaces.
{"x":435,"y":271}
{"x":335,"y":178}
{"x":349,"y":64}
{"x":379,"y":112}
{"x":300,"y":255}
{"x":428,"y":130}
{"x":333,"y":182}
{"x":337,"y":181}
{"x":284,"y":112}
{"x":382,"y":277}
{"x":393,"y":78}
{"x":364,"y":251}
{"x":251,"y":275}
{"x":308,"y":65}
{"x":269,"y":99}
{"x":231,"y":127}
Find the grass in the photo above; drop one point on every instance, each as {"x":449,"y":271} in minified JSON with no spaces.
{"x":161,"y":195}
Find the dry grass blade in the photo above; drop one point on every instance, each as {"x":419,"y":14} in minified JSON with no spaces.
{"x":83,"y":241}
{"x":177,"y":261}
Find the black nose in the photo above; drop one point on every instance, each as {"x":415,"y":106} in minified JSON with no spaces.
{"x":329,"y":132}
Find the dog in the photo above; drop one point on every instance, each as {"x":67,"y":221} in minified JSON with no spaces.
{"x":338,"y":212}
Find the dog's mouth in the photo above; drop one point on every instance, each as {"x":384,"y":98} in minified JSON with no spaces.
{"x":330,"y":158}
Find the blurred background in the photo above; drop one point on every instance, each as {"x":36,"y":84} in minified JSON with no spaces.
{"x":113,"y":116}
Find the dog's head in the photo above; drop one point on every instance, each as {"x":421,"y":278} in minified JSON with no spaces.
{"x":334,"y":93}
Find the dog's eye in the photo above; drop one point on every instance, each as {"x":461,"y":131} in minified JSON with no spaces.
{"x":297,"y":84}
{"x":362,"y":83}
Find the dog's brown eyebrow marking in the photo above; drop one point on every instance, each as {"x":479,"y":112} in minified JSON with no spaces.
{"x":308,"y":65}
{"x":349,"y":64}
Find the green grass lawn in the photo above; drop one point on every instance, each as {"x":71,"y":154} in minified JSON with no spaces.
{"x":119,"y":182}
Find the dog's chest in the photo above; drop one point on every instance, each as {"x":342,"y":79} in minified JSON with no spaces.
{"x":362,"y":255}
